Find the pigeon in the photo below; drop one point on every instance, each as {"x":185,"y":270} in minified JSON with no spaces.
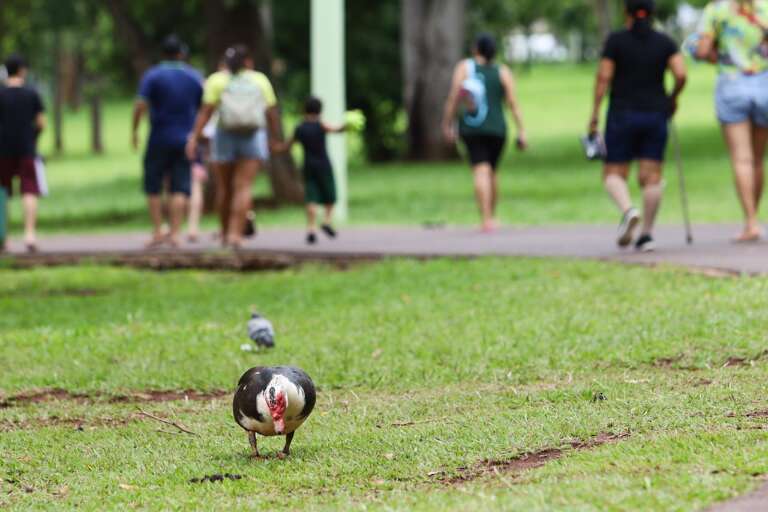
{"x":273,"y":401}
{"x":260,"y":330}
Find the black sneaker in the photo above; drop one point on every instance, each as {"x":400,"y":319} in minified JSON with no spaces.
{"x":311,"y":238}
{"x":249,"y":230}
{"x":645,"y":244}
{"x":328,"y":230}
{"x":627,"y":227}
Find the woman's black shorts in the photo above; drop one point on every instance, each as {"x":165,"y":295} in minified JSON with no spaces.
{"x":484,"y":149}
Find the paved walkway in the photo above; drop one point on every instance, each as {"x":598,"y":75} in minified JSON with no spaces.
{"x":712,"y":249}
{"x":754,"y":502}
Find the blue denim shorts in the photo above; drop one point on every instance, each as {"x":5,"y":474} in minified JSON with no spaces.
{"x":741,"y":98}
{"x":636,"y":135}
{"x":232,"y":146}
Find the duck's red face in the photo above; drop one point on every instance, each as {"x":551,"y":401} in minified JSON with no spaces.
{"x":277,"y":405}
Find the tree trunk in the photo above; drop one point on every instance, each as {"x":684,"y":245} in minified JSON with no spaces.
{"x":237,"y":22}
{"x":245,"y":23}
{"x":131,"y":34}
{"x":432,"y":43}
{"x":604,"y":13}
{"x":97,"y":145}
{"x":58,"y":95}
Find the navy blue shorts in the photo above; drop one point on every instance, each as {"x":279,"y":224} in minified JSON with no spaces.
{"x":635,"y":135}
{"x":161,"y":162}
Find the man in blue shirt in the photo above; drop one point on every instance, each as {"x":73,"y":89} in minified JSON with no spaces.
{"x":172,"y":92}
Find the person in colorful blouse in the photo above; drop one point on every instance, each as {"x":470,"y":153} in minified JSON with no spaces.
{"x":734,"y":36}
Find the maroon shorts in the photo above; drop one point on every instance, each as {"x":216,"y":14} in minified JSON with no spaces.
{"x":24,"y":168}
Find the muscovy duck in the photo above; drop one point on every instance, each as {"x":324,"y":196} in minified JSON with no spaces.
{"x":273,"y":401}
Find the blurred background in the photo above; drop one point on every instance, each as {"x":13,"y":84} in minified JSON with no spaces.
{"x":88,"y":55}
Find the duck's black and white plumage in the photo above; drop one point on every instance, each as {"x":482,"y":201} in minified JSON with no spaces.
{"x":260,"y":331}
{"x":273,"y":401}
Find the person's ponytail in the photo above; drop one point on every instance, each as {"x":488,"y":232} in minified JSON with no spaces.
{"x":641,"y":12}
{"x":235,"y":58}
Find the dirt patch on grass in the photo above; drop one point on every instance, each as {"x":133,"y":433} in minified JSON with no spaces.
{"x":80,"y":424}
{"x":677,"y":362}
{"x":149,"y":396}
{"x":215,"y":478}
{"x":524,"y":462}
{"x":243,"y":261}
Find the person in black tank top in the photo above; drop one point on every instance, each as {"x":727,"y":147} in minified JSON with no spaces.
{"x":478,"y":92}
{"x":319,"y":183}
{"x":633,"y":66}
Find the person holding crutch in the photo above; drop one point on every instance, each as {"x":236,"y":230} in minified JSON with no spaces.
{"x":633,"y":65}
{"x":734,"y":36}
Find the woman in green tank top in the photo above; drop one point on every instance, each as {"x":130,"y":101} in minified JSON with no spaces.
{"x":478,"y":93}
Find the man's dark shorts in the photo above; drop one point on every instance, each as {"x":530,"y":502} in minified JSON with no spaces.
{"x":319,"y":185}
{"x":636,"y":135}
{"x":24,"y":168}
{"x":161,"y":162}
{"x":484,"y":149}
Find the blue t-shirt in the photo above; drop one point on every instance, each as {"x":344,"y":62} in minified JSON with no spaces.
{"x":173,"y":91}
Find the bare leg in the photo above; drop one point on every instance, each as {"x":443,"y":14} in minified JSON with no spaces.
{"x":494,"y":196}
{"x":178,"y":207}
{"x":615,"y":180}
{"x":155,"y":204}
{"x":224,"y":192}
{"x":254,"y":447}
{"x":329,"y":214}
{"x":739,"y":139}
{"x":245,"y":172}
{"x":30,"y":221}
{"x":195,"y":205}
{"x":311,"y":218}
{"x":287,"y":448}
{"x":650,"y":180}
{"x":484,"y":194}
{"x":759,"y":144}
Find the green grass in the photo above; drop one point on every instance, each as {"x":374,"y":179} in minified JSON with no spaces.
{"x":550,"y":184}
{"x":490,"y":357}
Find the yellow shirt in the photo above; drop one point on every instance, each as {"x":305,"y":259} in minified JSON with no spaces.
{"x":217,"y":82}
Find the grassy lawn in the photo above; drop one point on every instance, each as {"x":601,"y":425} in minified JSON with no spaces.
{"x":550,"y":184}
{"x":423,"y":369}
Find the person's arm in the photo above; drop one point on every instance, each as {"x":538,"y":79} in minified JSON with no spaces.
{"x":40,"y":120}
{"x":283,"y":147}
{"x":139,"y":109}
{"x":707,"y":49}
{"x":40,"y":123}
{"x":508,"y":81}
{"x":451,"y":104}
{"x":680,"y":74}
{"x":327,"y":128}
{"x":605,"y":73}
{"x":203,"y":116}
{"x":273,"y":128}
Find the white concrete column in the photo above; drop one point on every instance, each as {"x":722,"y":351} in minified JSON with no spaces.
{"x":329,"y":84}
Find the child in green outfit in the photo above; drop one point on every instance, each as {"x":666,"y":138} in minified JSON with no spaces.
{"x":319,"y":184}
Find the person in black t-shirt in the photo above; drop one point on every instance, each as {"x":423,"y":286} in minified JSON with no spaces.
{"x":319,"y":184}
{"x":633,"y":66}
{"x":21,"y":122}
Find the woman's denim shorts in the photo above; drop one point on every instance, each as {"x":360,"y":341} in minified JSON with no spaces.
{"x":232,"y":146}
{"x":741,"y":98}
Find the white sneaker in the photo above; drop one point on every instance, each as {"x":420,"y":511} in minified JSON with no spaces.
{"x":627,"y":227}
